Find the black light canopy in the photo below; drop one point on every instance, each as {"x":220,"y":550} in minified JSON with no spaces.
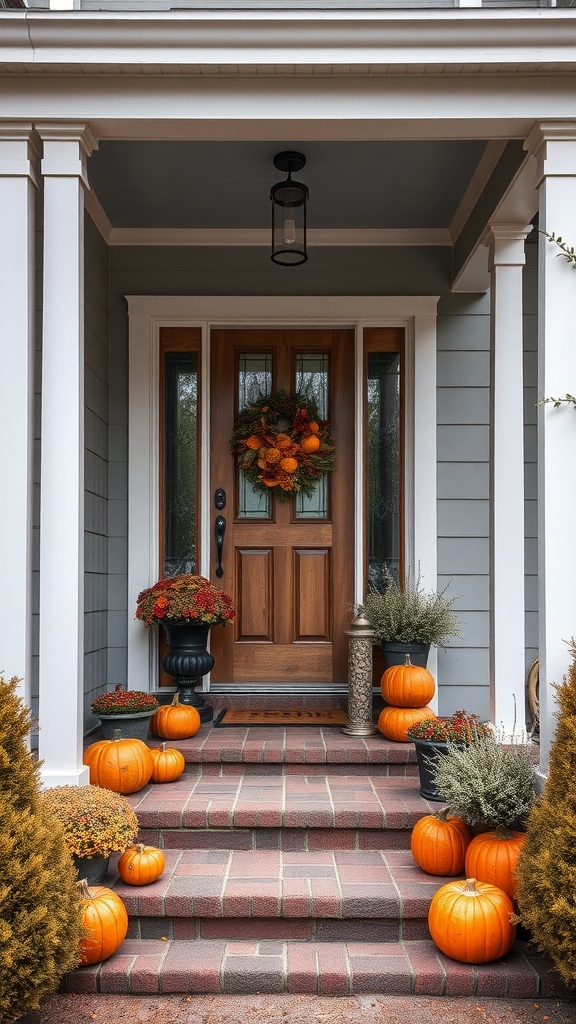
{"x":289,"y":199}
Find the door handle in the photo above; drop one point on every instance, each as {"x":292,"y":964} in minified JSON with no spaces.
{"x":219,"y":530}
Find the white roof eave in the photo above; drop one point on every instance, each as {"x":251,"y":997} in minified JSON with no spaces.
{"x":432,"y":41}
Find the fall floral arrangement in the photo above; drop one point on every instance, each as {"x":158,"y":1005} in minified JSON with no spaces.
{"x":123,"y":702}
{"x":184,"y":598}
{"x":96,"y":821}
{"x":461,"y":727}
{"x":280,"y":442}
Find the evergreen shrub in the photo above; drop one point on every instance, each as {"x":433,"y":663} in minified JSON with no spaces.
{"x":39,"y":899}
{"x":546,"y":870}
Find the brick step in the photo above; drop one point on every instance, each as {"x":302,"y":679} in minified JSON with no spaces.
{"x":281,"y":812}
{"x":250,"y":966}
{"x":292,"y":751}
{"x":233,"y":886}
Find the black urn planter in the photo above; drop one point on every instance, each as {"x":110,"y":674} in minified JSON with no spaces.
{"x":188,"y":660}
{"x":427,"y":753}
{"x":394,"y":653}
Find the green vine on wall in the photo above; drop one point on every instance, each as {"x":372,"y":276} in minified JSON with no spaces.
{"x":568,"y":253}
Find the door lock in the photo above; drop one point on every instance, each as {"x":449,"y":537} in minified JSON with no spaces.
{"x":220,"y":498}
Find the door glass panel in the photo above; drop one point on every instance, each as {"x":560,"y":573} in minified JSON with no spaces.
{"x":312,"y":379}
{"x":254,"y":379}
{"x":383,"y":407}
{"x":180,"y":462}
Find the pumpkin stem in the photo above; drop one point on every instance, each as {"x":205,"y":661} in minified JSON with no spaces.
{"x":140,"y":848}
{"x":85,"y":893}
{"x":163,"y":748}
{"x":443,"y":813}
{"x":117,"y":735}
{"x":502,"y":832}
{"x":176,"y":698}
{"x":471,"y":889}
{"x":407,"y":662}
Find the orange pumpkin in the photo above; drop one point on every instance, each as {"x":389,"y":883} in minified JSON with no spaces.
{"x":310,"y":444}
{"x":175,"y":721}
{"x":438,"y":843}
{"x":168,"y":763}
{"x":141,"y":865}
{"x":104,"y":922}
{"x":493,"y":857}
{"x":470,"y":921}
{"x":394,"y":722}
{"x":408,"y":685}
{"x":314,"y":427}
{"x":122,"y":765}
{"x":289,"y":465}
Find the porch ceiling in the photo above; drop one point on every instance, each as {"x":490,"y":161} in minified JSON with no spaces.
{"x":395,"y":185}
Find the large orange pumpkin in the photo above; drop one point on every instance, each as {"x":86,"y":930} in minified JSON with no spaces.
{"x":175,"y":721}
{"x":122,"y":765}
{"x":493,"y":857}
{"x":394,"y":722}
{"x":168,"y":763}
{"x":408,"y":685}
{"x":141,"y":865}
{"x":104,"y":922}
{"x":438,"y":843}
{"x":470,"y":921}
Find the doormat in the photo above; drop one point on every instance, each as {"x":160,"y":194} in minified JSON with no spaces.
{"x":272,"y":716}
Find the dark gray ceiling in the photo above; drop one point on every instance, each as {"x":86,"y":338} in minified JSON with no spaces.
{"x":179,"y":184}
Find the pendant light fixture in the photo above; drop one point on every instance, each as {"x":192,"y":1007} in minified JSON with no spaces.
{"x":289,"y":199}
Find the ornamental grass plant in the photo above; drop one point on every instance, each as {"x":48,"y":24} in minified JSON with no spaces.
{"x":486,"y":783}
{"x":95,"y":821}
{"x":406,"y":613}
{"x":184,"y":598}
{"x":123,"y":702}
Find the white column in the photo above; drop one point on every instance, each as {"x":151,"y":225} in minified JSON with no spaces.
{"x":507,"y":602}
{"x":554,"y":145}
{"x":62,"y":474}
{"x":64,"y":5}
{"x":17,"y":189}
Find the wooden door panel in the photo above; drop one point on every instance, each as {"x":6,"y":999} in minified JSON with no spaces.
{"x":255,"y":616}
{"x":312,"y":589}
{"x":291,"y":577}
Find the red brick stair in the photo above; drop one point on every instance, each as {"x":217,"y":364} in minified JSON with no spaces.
{"x":288,"y":869}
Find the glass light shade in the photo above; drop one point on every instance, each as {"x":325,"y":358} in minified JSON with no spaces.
{"x":289,"y":199}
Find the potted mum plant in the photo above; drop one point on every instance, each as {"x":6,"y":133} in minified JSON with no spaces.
{"x":186,"y":607}
{"x":433,"y":737}
{"x":96,"y":823}
{"x":127,"y":710}
{"x":407,"y":619}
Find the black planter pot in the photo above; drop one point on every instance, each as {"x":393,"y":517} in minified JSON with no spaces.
{"x":427,"y":753}
{"x":394,"y":653}
{"x":188,"y":660}
{"x":93,"y":869}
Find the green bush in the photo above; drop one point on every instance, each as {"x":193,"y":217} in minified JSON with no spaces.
{"x":39,"y":899}
{"x":546,"y":869}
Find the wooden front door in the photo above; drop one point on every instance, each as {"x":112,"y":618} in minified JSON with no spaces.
{"x":288,"y":565}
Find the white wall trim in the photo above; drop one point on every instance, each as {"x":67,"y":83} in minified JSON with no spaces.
{"x":147,"y":314}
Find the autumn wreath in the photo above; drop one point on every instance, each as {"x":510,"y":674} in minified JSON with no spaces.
{"x":280,"y":441}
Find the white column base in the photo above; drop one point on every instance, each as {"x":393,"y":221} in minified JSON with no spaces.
{"x":80,"y":777}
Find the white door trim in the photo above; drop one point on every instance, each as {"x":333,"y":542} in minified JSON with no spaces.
{"x":148,"y":313}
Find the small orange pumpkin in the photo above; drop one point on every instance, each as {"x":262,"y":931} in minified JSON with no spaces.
{"x":493,"y":857}
{"x":289,"y":465}
{"x":168,"y":763}
{"x":394,"y":722}
{"x":141,"y":865}
{"x":104,"y":922}
{"x":175,"y":721}
{"x":314,"y":427}
{"x":310,"y":443}
{"x":122,"y":765}
{"x":439,"y":842}
{"x":408,"y":685}
{"x":470,"y":921}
